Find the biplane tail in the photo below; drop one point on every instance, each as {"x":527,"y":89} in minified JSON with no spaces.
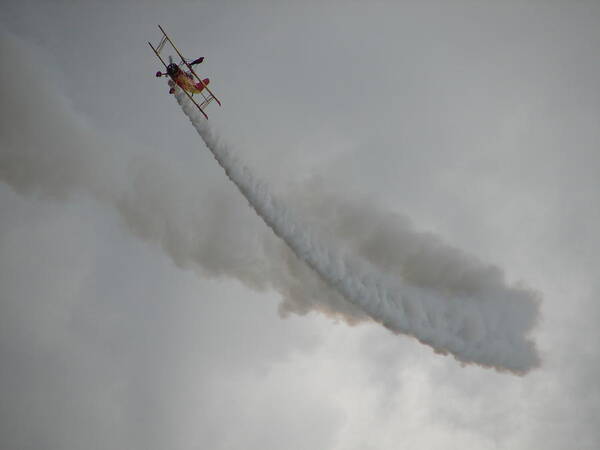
{"x":202,"y":85}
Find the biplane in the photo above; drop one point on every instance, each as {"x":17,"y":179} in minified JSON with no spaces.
{"x":183,"y":74}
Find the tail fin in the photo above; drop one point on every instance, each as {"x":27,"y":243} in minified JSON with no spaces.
{"x":200,"y":86}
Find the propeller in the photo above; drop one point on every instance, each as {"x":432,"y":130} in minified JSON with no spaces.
{"x":159,"y":73}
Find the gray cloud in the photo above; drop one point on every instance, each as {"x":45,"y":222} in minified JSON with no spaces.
{"x":496,"y":108}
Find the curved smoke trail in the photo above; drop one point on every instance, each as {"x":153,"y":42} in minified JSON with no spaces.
{"x":438,"y":294}
{"x":489,"y":331}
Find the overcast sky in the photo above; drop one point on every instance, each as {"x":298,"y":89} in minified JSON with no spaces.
{"x":475,"y":122}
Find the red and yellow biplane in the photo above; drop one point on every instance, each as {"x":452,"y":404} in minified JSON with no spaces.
{"x":187,"y":80}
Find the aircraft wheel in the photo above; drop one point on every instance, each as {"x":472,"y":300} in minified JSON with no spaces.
{"x":158,"y":74}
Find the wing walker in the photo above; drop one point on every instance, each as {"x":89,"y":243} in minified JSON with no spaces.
{"x":188,"y":80}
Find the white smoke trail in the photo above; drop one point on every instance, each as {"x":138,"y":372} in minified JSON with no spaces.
{"x":47,"y":149}
{"x":490,"y":331}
